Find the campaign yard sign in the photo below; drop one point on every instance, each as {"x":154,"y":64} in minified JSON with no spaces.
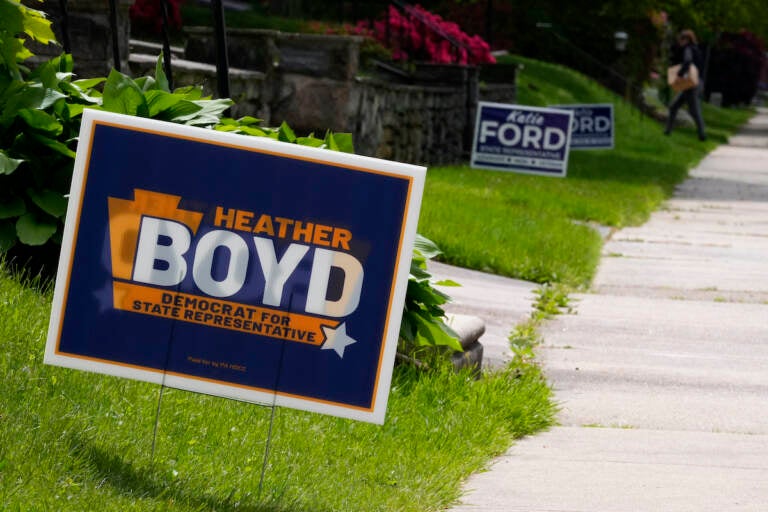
{"x":593,"y":126}
{"x":235,"y":266}
{"x":520,"y":138}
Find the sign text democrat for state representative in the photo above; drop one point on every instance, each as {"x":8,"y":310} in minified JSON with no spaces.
{"x":234,"y":266}
{"x":593,"y":125}
{"x":522,"y":139}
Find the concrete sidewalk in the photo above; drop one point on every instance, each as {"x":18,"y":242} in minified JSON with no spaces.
{"x":662,"y":372}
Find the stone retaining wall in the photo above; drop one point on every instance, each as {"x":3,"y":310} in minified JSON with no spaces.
{"x":313,"y":82}
{"x":499,"y":93}
{"x":409,"y":123}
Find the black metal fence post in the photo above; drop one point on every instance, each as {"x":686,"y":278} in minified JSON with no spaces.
{"x":222,"y":58}
{"x":401,"y":43}
{"x":166,"y":45}
{"x":115,"y":37}
{"x":65,"y":27}
{"x":388,"y":27}
{"x":489,"y":22}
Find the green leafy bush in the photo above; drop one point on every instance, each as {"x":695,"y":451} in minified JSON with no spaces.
{"x":38,"y":136}
{"x":28,"y":128}
{"x":422,"y":327}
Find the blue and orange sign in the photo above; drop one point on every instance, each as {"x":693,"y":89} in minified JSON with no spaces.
{"x":235,"y":266}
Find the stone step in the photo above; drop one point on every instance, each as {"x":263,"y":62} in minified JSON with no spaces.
{"x":470,"y":329}
{"x":139,"y":46}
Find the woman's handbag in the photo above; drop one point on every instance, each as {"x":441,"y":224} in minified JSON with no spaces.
{"x":685,"y":82}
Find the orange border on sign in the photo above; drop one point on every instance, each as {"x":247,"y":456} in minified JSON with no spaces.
{"x":86,"y":168}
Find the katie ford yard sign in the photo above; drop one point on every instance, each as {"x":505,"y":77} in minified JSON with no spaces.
{"x":234,"y":266}
{"x":523,"y":139}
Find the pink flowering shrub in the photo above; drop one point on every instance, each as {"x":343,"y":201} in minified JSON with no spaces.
{"x":419,"y":34}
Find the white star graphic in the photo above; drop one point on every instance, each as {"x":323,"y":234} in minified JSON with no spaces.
{"x":336,"y":339}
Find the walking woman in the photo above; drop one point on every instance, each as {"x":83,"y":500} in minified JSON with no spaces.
{"x":686,"y":53}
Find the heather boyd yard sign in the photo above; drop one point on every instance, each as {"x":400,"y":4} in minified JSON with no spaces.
{"x":522,"y":139}
{"x":235,"y":266}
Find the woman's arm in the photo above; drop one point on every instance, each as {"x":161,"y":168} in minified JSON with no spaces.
{"x":687,"y":60}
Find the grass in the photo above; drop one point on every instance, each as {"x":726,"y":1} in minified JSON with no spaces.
{"x":551,"y":300}
{"x":197,"y":15}
{"x":72,"y":440}
{"x":538,"y":228}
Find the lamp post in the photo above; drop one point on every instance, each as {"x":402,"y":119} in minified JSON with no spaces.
{"x":620,"y":39}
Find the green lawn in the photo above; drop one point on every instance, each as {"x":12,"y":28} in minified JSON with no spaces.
{"x":71,"y":440}
{"x":533,"y":227}
{"x":198,"y":15}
